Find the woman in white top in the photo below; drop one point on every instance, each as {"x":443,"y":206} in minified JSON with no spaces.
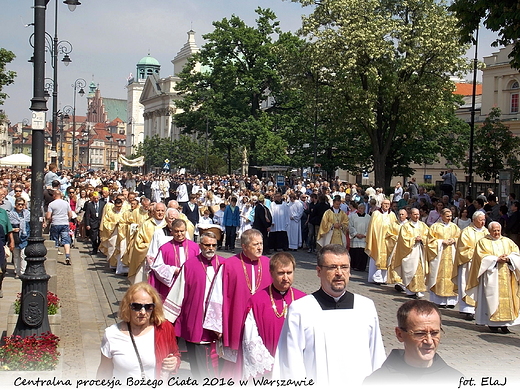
{"x":144,"y":344}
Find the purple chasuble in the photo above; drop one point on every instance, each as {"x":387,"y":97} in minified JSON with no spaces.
{"x":269,"y":325}
{"x":189,"y":323}
{"x":171,"y":256}
{"x":237,"y":293}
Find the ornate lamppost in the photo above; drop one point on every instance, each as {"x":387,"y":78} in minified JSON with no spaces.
{"x":33,"y":319}
{"x":78,"y":86}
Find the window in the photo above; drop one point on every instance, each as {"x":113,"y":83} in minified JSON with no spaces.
{"x":514,"y":96}
{"x":514,"y":102}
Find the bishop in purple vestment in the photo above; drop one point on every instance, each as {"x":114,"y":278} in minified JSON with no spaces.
{"x":170,"y":258}
{"x":237,"y":280}
{"x":185,"y":306}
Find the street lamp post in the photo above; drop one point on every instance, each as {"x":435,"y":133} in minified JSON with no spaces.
{"x":109,"y":138}
{"x":78,"y":84}
{"x":58,"y":47}
{"x":68,"y":112}
{"x":86,"y":137}
{"x":33,"y":318}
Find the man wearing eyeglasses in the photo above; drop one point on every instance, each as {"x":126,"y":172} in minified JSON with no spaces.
{"x":185,"y":306}
{"x":331,"y":336}
{"x":419,"y":328}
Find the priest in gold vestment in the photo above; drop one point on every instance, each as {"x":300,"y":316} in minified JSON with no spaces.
{"x":136,"y":268}
{"x":442,"y":240}
{"x":465,"y":248}
{"x":410,"y":255}
{"x":334,"y":226}
{"x":493,"y":281}
{"x":391,"y":242}
{"x":108,"y":231}
{"x":132,"y":223}
{"x":376,"y":244}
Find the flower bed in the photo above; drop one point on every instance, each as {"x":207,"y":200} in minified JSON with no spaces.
{"x":32,"y":353}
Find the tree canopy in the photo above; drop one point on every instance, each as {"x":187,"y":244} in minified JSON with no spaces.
{"x":385,"y":69}
{"x":6,"y":76}
{"x":502,"y":16}
{"x":234,"y":94}
{"x":496,"y":148}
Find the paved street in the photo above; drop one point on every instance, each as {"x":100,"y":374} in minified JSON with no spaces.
{"x":90,"y":295}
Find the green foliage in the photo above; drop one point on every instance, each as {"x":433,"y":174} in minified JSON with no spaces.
{"x":496,"y":148}
{"x":502,"y":16}
{"x":381,"y":70}
{"x":238,"y":73}
{"x":6,"y":76}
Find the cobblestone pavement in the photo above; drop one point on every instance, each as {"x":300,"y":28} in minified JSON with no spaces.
{"x":91,"y":292}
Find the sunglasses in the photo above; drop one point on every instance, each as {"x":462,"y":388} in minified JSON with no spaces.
{"x":138,"y":306}
{"x":20,"y":204}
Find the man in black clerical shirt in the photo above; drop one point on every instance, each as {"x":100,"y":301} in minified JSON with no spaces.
{"x":419,"y":328}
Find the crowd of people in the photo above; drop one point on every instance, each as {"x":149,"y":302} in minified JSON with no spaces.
{"x":240,"y":317}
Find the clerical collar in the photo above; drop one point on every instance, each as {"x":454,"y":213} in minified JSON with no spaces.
{"x":158,"y":221}
{"x":282,"y":293}
{"x":414,"y":223}
{"x":327,"y":302}
{"x":336,"y":210}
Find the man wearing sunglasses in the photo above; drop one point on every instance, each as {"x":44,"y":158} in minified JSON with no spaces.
{"x":185,"y":306}
{"x":419,"y":328}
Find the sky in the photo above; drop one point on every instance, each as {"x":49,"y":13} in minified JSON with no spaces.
{"x":109,"y":37}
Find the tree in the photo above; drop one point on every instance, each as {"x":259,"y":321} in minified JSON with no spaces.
{"x":6,"y":76}
{"x":388,"y":63}
{"x":502,"y":16}
{"x":238,"y":75}
{"x":496,"y":148}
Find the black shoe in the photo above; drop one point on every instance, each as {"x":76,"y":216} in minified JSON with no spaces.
{"x":399,"y":288}
{"x":379,"y":283}
{"x":450,"y":306}
{"x":441,"y":306}
{"x":493,"y":329}
{"x":93,"y":253}
{"x":469,"y":317}
{"x":505,"y":330}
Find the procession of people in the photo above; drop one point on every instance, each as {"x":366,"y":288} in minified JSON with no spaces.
{"x":239,"y":317}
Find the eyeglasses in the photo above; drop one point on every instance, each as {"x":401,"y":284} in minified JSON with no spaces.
{"x":423,"y":334}
{"x":138,"y":306}
{"x":333,"y":268}
{"x":209,"y":245}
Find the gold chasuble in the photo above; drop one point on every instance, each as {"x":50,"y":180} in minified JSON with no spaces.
{"x":108,"y":233}
{"x":465,"y":248}
{"x":410,"y":256}
{"x":391,"y":241}
{"x":496,"y":298}
{"x":134,"y":221}
{"x":141,"y":243}
{"x":376,"y":244}
{"x":328,"y":234}
{"x":441,"y":258}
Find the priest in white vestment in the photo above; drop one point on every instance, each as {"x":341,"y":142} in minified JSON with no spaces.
{"x":331,"y":336}
{"x":493,"y":281}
